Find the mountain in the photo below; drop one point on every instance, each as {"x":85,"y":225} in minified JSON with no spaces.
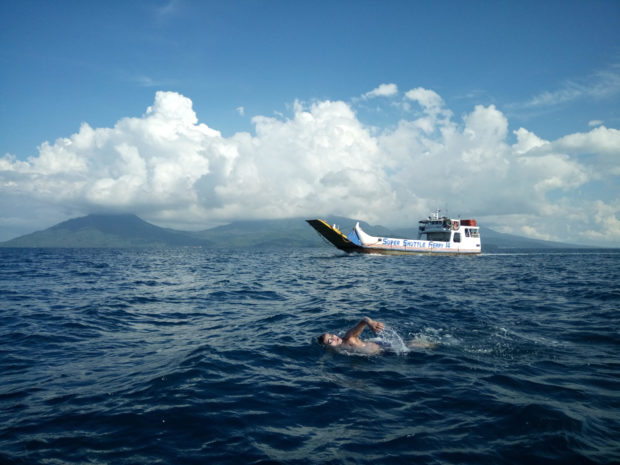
{"x":292,"y":232}
{"x":105,"y":231}
{"x":131,"y":231}
{"x":494,"y":241}
{"x":260,"y":234}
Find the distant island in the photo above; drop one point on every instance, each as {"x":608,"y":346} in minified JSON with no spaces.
{"x":130,"y":231}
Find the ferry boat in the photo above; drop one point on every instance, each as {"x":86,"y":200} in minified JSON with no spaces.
{"x":436,"y":235}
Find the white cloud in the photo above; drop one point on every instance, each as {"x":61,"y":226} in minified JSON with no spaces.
{"x":606,"y":222}
{"x":241,"y":111}
{"x":527,"y":141}
{"x":427,"y":98}
{"x":384,"y":90}
{"x":598,"y":140}
{"x":601,"y":144}
{"x":171,"y":169}
{"x":602,"y":84}
{"x":435,"y":114}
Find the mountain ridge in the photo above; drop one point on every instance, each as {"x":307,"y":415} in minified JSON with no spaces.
{"x":104,"y":230}
{"x":128,"y":230}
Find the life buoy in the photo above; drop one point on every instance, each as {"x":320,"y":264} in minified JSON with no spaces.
{"x":455,"y":225}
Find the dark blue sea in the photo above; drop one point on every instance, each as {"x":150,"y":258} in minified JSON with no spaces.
{"x":196,"y":356}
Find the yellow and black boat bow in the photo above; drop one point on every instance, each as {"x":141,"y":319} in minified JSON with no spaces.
{"x":334,"y":235}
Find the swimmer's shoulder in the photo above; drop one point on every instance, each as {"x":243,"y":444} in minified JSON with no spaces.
{"x":367,"y":348}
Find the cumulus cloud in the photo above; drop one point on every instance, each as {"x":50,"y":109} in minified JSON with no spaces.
{"x":527,"y":141}
{"x":384,"y":90}
{"x":598,"y":140}
{"x":432,"y":105}
{"x":173,"y":170}
{"x":601,"y":143}
{"x":427,"y":98}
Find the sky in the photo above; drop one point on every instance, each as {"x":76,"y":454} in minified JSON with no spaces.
{"x":193,"y":114}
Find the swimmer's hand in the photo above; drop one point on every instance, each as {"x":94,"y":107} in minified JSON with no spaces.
{"x":375,"y":326}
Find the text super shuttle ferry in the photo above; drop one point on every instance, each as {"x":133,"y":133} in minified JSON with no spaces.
{"x":436,"y":235}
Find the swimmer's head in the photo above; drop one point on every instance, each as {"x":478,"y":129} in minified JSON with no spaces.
{"x":330,"y":340}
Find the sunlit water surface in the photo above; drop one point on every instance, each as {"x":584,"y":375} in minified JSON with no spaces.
{"x":193,"y":356}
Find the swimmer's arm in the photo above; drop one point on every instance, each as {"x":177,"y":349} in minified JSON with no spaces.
{"x":354,"y":332}
{"x":375,"y":326}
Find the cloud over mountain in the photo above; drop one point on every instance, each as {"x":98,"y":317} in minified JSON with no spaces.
{"x":171,"y":169}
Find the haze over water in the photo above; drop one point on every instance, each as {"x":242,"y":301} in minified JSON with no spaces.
{"x":192,"y":356}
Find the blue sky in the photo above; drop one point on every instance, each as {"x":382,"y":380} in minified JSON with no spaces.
{"x":254,"y":71}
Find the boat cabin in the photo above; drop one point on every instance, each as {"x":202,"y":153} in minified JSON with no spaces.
{"x":444,"y":229}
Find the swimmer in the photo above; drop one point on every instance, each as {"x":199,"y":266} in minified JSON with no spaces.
{"x":351,"y":340}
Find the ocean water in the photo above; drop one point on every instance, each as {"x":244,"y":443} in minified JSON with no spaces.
{"x":195,"y":356}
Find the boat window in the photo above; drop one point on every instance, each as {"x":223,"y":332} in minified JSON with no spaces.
{"x":466,"y":232}
{"x":457,"y":237}
{"x":475,"y":232}
{"x":438,"y":236}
